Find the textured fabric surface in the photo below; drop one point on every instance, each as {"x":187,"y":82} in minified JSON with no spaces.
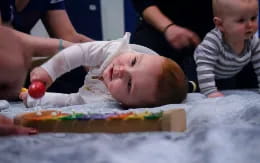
{"x":219,"y":130}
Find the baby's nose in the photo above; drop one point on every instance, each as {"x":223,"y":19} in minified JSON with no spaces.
{"x":120,"y":71}
{"x":250,"y":23}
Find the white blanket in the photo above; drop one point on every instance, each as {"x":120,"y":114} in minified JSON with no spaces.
{"x":225,"y":129}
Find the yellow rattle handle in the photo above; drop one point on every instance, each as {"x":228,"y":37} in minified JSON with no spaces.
{"x":24,"y":90}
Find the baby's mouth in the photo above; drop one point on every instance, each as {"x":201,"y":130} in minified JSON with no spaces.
{"x":249,"y":33}
{"x":111,"y":73}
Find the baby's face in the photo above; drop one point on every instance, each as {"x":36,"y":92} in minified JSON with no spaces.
{"x":240,"y":21}
{"x":132,"y":78}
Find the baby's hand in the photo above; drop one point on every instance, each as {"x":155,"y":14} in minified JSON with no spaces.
{"x":23,"y":96}
{"x":39,"y":74}
{"x":215,"y":94}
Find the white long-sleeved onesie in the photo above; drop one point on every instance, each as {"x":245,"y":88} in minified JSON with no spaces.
{"x":96,"y":55}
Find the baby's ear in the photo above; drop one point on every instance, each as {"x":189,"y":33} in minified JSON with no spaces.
{"x":218,"y":22}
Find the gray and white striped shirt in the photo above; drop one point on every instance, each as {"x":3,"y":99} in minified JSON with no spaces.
{"x":216,"y":60}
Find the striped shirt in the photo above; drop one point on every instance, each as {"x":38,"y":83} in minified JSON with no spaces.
{"x":216,"y":60}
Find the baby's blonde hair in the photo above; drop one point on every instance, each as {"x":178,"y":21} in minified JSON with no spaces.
{"x":172,"y":84}
{"x":222,"y":6}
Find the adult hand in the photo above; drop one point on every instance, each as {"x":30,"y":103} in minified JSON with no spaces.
{"x":82,"y":38}
{"x":8,"y":128}
{"x":39,"y":74}
{"x":215,"y":94}
{"x":180,"y":37}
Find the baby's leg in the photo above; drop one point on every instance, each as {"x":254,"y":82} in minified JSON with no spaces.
{"x":55,"y":99}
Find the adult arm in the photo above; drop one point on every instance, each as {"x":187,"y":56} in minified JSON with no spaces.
{"x":16,"y":51}
{"x":178,"y":37}
{"x":40,"y":46}
{"x":152,"y":14}
{"x":59,"y":25}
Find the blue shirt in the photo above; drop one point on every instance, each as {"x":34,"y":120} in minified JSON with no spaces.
{"x":34,"y":10}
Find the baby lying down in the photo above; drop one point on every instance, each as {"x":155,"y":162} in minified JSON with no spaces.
{"x":133,"y":75}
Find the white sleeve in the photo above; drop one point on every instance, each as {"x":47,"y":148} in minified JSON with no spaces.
{"x":88,"y":54}
{"x":64,"y":62}
{"x":55,"y":100}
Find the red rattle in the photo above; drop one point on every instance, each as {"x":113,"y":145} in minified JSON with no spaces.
{"x":37,"y":89}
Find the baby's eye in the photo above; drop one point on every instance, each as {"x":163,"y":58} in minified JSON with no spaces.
{"x":129,"y":85}
{"x":240,"y":20}
{"x":254,"y":18}
{"x":133,"y":62}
